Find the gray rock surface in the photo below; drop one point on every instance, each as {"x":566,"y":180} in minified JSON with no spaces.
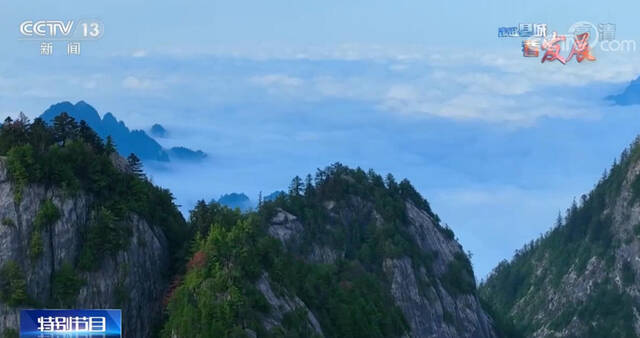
{"x":578,"y":286}
{"x":133,"y":279}
{"x":282,"y":304}
{"x":561,"y":278}
{"x":429,"y":309}
{"x":284,"y":225}
{"x":426,"y":307}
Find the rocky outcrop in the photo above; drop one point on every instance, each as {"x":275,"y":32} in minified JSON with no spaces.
{"x":581,"y":278}
{"x":430,"y":307}
{"x":288,"y":229}
{"x":284,"y":226}
{"x":283,"y":304}
{"x":133,"y":279}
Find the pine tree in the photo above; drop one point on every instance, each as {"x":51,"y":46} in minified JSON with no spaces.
{"x":64,"y":128}
{"x":308,"y":186}
{"x":295,"y":189}
{"x":14,"y":132}
{"x":89,"y":136}
{"x":391,"y":183}
{"x":321,"y":176}
{"x":201,"y":217}
{"x":109,"y":147}
{"x":135,"y":165}
{"x":23,"y":122}
{"x":605,"y":174}
{"x":40,"y":135}
{"x":559,"y":220}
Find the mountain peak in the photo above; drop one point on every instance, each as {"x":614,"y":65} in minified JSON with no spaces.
{"x":127,"y":141}
{"x":81,"y":111}
{"x":348,"y":253}
{"x":120,"y":230}
{"x":109,"y":117}
{"x":236,"y":201}
{"x":158,"y":130}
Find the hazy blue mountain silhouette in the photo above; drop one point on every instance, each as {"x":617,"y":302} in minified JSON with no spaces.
{"x":243,"y":202}
{"x":236,"y":200}
{"x":630,"y":95}
{"x":126,"y":141}
{"x":157,"y":130}
{"x":272,"y":196}
{"x":182,"y":153}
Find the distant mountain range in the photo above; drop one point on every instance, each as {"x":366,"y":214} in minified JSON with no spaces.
{"x":274,"y":195}
{"x":236,"y":201}
{"x":241,"y":201}
{"x":630,"y":96}
{"x":126,"y":141}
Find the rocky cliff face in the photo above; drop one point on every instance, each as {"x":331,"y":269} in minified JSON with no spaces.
{"x":345,"y":254}
{"x":132,"y":279}
{"x":436,"y":312}
{"x":581,"y":278}
{"x":283,"y":303}
{"x":431,"y":306}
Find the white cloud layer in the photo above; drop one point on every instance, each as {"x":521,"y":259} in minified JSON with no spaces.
{"x":132,"y":82}
{"x":406,"y":82}
{"x":462,"y":86}
{"x":272,"y":80}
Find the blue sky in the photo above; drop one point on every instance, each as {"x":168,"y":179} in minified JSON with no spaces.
{"x":496,"y":142}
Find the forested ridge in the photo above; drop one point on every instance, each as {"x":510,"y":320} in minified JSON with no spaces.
{"x":350,"y":297}
{"x":353,"y":234}
{"x":70,"y":155}
{"x":591,"y":246}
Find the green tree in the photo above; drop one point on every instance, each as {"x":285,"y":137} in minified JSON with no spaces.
{"x":66,"y":285}
{"x":135,"y":165}
{"x":21,"y":164}
{"x":391,"y":182}
{"x":110,"y":147}
{"x":13,"y":286}
{"x":13,"y":132}
{"x":89,"y":136}
{"x":64,"y":128}
{"x":296,"y":186}
{"x":40,"y":136}
{"x":308,"y":186}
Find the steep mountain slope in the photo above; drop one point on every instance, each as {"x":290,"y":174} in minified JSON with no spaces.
{"x":630,"y":95}
{"x":127,"y":141}
{"x":79,"y":228}
{"x":351,"y":255}
{"x":581,"y":278}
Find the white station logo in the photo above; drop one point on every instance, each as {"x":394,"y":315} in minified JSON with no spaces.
{"x":46,"y":28}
